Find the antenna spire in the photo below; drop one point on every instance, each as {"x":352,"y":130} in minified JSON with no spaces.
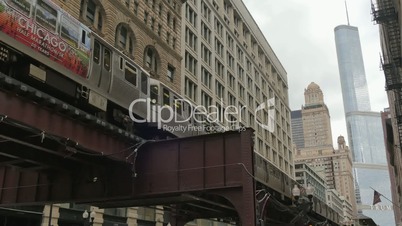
{"x":347,"y":13}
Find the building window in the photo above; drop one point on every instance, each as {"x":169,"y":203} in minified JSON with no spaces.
{"x":240,"y":73}
{"x":92,"y":13}
{"x":206,"y":77}
{"x":150,"y":59}
{"x":219,"y":68}
{"x":168,"y":38}
{"x":168,"y":18}
{"x":174,"y":24}
{"x":218,"y":27}
{"x":206,"y":100}
{"x":241,"y":91}
{"x":218,"y":47}
{"x":230,"y":60}
{"x":190,"y":89}
{"x":205,"y":32}
{"x":125,"y":38}
{"x":191,"y":63}
{"x":206,"y":11}
{"x":152,"y":23}
{"x":159,"y":29}
{"x":191,"y":39}
{"x":136,"y":5}
{"x":145,"y":213}
{"x":240,"y":55}
{"x":231,"y":81}
{"x":170,"y":72}
{"x":191,"y":16}
{"x":146,"y":18}
{"x":232,"y":100}
{"x":229,"y":41}
{"x":206,"y":54}
{"x":160,"y":9}
{"x":219,"y":90}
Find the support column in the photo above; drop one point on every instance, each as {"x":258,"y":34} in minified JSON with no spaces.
{"x":132,"y":216}
{"x":50,"y":215}
{"x":177,"y":221}
{"x":159,"y":216}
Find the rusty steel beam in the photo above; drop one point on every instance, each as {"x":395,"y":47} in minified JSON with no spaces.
{"x":50,"y":121}
{"x":217,"y":170}
{"x":215,"y":165}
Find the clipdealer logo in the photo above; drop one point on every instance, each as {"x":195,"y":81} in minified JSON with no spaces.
{"x":200,"y":118}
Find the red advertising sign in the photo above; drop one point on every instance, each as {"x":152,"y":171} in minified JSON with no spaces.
{"x":47,"y":30}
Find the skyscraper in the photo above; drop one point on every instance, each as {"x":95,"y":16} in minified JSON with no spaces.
{"x":318,"y":151}
{"x":364,"y":129}
{"x":297,"y":128}
{"x":316,"y":120}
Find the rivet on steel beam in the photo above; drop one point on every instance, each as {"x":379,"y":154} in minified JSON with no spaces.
{"x":64,"y":107}
{"x":23,"y":88}
{"x":51,"y":101}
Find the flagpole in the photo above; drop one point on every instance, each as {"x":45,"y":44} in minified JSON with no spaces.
{"x":386,"y":198}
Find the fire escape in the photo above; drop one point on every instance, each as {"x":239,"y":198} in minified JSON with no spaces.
{"x":385,"y":14}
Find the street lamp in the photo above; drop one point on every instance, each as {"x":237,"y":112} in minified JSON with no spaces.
{"x":309,"y":191}
{"x":296,"y":193}
{"x":91,"y":216}
{"x":303,"y":204}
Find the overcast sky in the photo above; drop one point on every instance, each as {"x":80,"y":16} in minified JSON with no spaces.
{"x":301,"y":33}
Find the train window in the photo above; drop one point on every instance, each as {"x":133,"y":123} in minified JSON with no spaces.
{"x":130,"y":74}
{"x":121,"y":63}
{"x":96,"y":52}
{"x":166,"y":97}
{"x":83,"y":37}
{"x":22,"y":6}
{"x":46,"y":15}
{"x":144,"y":83}
{"x":106,"y":59}
{"x":69,"y":31}
{"x":154,"y":94}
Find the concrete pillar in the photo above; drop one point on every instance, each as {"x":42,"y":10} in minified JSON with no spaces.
{"x":98,"y":221}
{"x":50,"y":212}
{"x":132,"y":216}
{"x":159,"y":216}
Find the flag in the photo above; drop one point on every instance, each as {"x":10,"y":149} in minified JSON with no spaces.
{"x":376,"y":198}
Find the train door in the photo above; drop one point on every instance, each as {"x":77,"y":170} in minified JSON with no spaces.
{"x":102,"y":67}
{"x":144,"y":85}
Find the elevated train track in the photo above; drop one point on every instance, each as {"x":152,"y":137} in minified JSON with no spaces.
{"x":53,"y":152}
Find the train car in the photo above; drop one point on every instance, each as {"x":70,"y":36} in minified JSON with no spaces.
{"x":45,"y":47}
{"x":173,"y":112}
{"x":269,"y":175}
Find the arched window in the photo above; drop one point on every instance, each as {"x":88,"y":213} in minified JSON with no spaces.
{"x":125,"y":38}
{"x":151,"y":59}
{"x":91,"y":11}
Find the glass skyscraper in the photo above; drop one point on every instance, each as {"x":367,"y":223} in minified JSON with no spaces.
{"x":364,"y":129}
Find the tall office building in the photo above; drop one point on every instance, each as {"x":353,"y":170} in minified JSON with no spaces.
{"x":364,"y":128}
{"x":318,"y":151}
{"x":297,"y":128}
{"x":311,"y":126}
{"x":228,"y":62}
{"x":316,"y":120}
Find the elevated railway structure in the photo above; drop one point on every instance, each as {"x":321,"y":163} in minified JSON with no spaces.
{"x":52,"y":152}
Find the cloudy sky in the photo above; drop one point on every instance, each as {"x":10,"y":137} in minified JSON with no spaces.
{"x":301,"y":33}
